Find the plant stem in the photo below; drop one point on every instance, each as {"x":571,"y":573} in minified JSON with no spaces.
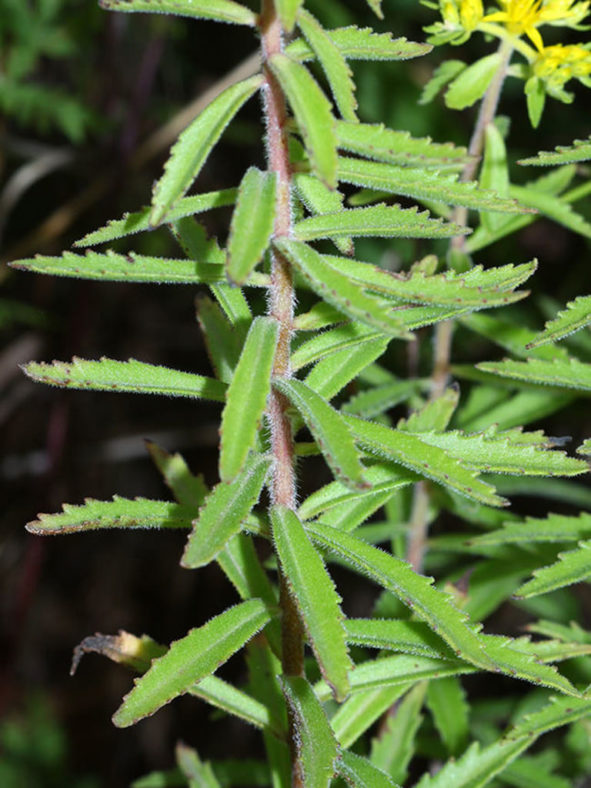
{"x":281,"y":307}
{"x":418,"y":527}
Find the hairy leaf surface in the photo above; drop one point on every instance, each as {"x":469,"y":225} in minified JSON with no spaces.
{"x":580,"y":150}
{"x":568,"y":373}
{"x":577,"y":315}
{"x":362,"y":44}
{"x":571,"y":567}
{"x":220,"y":10}
{"x":360,"y":772}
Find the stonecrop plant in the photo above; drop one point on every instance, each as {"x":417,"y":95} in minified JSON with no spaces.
{"x":299,"y":332}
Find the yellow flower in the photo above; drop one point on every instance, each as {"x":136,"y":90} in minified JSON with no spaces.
{"x":557,"y":64}
{"x":563,"y":12}
{"x":471,"y":13}
{"x":525,"y":16}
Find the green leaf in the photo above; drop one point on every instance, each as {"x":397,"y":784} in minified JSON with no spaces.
{"x":423,"y":185}
{"x":580,"y":150}
{"x":376,"y":7}
{"x":407,"y":637}
{"x":553,"y":528}
{"x":396,"y":744}
{"x":331,"y":374}
{"x":577,"y":315}
{"x":535,"y":94}
{"x":513,"y":337}
{"x":130,"y":267}
{"x":376,"y":141}
{"x":333,"y":64}
{"x":191,"y":659}
{"x":337,"y":289}
{"x":324,"y":345}
{"x":571,"y":567}
{"x":319,"y":199}
{"x":428,"y":461}
{"x":221,"y":339}
{"x":565,"y":373}
{"x":233,"y":701}
{"x":471,"y":84}
{"x":288,"y":12}
{"x":381,"y":221}
{"x":361,"y":773}
{"x":125,"y":376}
{"x":362,"y":44}
{"x":312,"y":113}
{"x":118,"y":513}
{"x":139,"y":221}
{"x":446,"y":700}
{"x":220,"y":10}
{"x":246,"y":397}
{"x":359,"y":712}
{"x":199,"y":774}
{"x":224,"y":511}
{"x":494,"y":173}
{"x":189,"y":490}
{"x":329,"y":430}
{"x":373,"y":401}
{"x":194,"y":145}
{"x":442,"y":75}
{"x":553,"y":207}
{"x":252,"y":223}
{"x":316,"y":598}
{"x":316,"y":745}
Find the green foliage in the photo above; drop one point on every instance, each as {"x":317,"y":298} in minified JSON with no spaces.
{"x":322,"y":379}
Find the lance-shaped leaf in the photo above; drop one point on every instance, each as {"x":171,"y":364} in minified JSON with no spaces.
{"x":288,"y":11}
{"x":396,"y":744}
{"x":381,"y":221}
{"x":359,"y":772}
{"x":571,"y":567}
{"x":554,"y":528}
{"x":246,"y":397}
{"x":329,"y":430}
{"x":512,"y":337}
{"x":442,"y":75}
{"x":472,"y":82}
{"x":125,"y":376}
{"x":359,"y":712}
{"x":125,"y":268}
{"x":397,"y":147}
{"x":332,"y":374}
{"x":220,"y":10}
{"x":407,"y":637}
{"x":228,"y":698}
{"x":429,"y":461}
{"x":224,"y":511}
{"x":188,"y":489}
{"x":580,"y":150}
{"x":357,"y":43}
{"x":198,"y":773}
{"x":194,"y":145}
{"x":499,"y":454}
{"x":371,"y":402}
{"x":118,"y":513}
{"x":568,"y":373}
{"x":191,"y":659}
{"x":422,"y":185}
{"x":337,"y":289}
{"x":316,"y":745}
{"x":333,"y":64}
{"x":252,"y":223}
{"x":139,"y":221}
{"x":319,"y":199}
{"x":577,"y":315}
{"x":313,"y":115}
{"x":477,"y":287}
{"x":324,"y":345}
{"x":446,"y":700}
{"x":316,"y":598}
{"x":221,"y":339}
{"x":553,"y":207}
{"x":417,"y":592}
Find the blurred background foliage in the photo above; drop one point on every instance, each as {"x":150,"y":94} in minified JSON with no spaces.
{"x":81,"y":91}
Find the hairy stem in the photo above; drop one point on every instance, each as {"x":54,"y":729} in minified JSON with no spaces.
{"x":281,"y":307}
{"x":418,"y":528}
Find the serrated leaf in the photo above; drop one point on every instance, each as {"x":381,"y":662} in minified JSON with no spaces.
{"x":316,"y":598}
{"x":246,"y":397}
{"x":329,"y":430}
{"x":381,"y":221}
{"x":569,"y":373}
{"x":219,"y":10}
{"x":313,"y":115}
{"x":499,"y":454}
{"x":336,"y":288}
{"x":577,"y":315}
{"x":553,"y":528}
{"x":476,"y":767}
{"x":423,"y":185}
{"x":553,"y":207}
{"x":446,"y":700}
{"x":191,"y":659}
{"x":252,"y":223}
{"x":139,"y":221}
{"x":442,"y":75}
{"x":471,"y":84}
{"x":571,"y":567}
{"x":224,"y":511}
{"x":319,"y":199}
{"x":331,"y":374}
{"x":194,"y":145}
{"x":333,"y":64}
{"x":118,"y":513}
{"x":361,"y":773}
{"x":428,"y":461}
{"x":513,"y":337}
{"x":396,"y":744}
{"x":125,"y":376}
{"x":376,"y":141}
{"x":316,"y":745}
{"x":132,"y":267}
{"x":580,"y":150}
{"x":362,"y":44}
